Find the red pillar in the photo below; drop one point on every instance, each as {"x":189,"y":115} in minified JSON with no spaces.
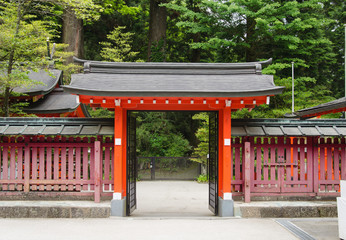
{"x":226,"y":154}
{"x":119,"y":153}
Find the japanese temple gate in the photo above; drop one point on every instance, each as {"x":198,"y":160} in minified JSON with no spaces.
{"x":254,"y":158}
{"x":219,"y":88}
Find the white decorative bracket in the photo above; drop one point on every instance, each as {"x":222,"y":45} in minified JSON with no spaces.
{"x":117,"y":102}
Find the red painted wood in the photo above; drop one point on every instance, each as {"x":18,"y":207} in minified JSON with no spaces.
{"x":34,"y":166}
{"x":112,"y":164}
{"x":302,"y":163}
{"x":85,"y":164}
{"x":343,"y":160}
{"x":247,"y":179}
{"x":107,"y":152}
{"x":273,"y":171}
{"x":20,"y":166}
{"x":41,"y":166}
{"x":237,"y":163}
{"x":258,"y":162}
{"x":322,"y":168}
{"x":329,"y":164}
{"x":71,"y":163}
{"x":57,"y":166}
{"x":97,"y":177}
{"x":336,"y":164}
{"x":12,"y":166}
{"x":5,"y":166}
{"x":92,"y":165}
{"x":265,"y":159}
{"x":316,"y":164}
{"x":26,"y":167}
{"x":310,"y":165}
{"x":78,"y":163}
{"x":63,"y":165}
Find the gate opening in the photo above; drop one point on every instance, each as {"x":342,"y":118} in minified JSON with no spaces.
{"x":149,"y":149}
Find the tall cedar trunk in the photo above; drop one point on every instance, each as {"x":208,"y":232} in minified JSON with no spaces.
{"x":250,"y":54}
{"x":157,"y":26}
{"x":73,"y":34}
{"x":196,"y":53}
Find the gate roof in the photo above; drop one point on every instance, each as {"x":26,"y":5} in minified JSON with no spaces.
{"x":240,"y":127}
{"x":173,"y":80}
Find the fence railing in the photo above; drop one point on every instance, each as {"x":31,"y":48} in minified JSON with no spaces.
{"x":305,"y":166}
{"x":262,"y":166}
{"x":75,"y":166}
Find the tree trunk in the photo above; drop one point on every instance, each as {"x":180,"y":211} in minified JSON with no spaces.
{"x":250,"y":54}
{"x":157,"y":29}
{"x":73,"y":34}
{"x":196,"y":53}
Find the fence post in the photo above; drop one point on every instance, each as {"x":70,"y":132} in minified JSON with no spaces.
{"x":97,"y":179}
{"x":26,"y":167}
{"x":247,"y":197}
{"x":315,"y":165}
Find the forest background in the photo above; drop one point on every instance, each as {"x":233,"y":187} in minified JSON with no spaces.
{"x":309,"y":33}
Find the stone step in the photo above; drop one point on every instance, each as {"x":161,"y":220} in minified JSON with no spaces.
{"x":286,"y":209}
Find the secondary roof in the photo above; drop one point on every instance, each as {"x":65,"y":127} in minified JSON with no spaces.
{"x":240,"y":127}
{"x":56,"y":102}
{"x":338,"y":105}
{"x":48,"y":82}
{"x":173,"y":80}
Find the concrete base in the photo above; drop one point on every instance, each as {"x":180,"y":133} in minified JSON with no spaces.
{"x":118,"y":207}
{"x":53,"y":209}
{"x":281,"y":209}
{"x":226,"y":208}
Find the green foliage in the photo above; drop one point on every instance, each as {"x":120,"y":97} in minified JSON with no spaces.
{"x":21,"y":50}
{"x":202,"y":178}
{"x":287,"y":31}
{"x":157,"y":51}
{"x":118,"y":49}
{"x":202,"y":134}
{"x":100,"y":112}
{"x":158,"y":136}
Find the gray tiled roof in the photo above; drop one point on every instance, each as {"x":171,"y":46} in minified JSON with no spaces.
{"x":333,"y":105}
{"x":47,"y":82}
{"x":55,"y":102}
{"x":173,"y":80}
{"x":240,"y":127}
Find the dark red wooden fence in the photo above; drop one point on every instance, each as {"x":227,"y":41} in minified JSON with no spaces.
{"x":288,"y":166}
{"x":77,"y":166}
{"x":262,"y":166}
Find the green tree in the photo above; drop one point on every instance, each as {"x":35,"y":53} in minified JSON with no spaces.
{"x":202,"y":134}
{"x":118,"y":47}
{"x":157,"y":136}
{"x":22,"y":42}
{"x":288,"y":31}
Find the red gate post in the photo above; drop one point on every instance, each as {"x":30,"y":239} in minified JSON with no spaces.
{"x":247,"y":173}
{"x":98,"y":159}
{"x":118,"y":204}
{"x":226,"y":202}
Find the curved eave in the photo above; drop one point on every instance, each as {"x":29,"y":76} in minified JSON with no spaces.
{"x":45,"y":89}
{"x":50,"y":111}
{"x":259,"y":92}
